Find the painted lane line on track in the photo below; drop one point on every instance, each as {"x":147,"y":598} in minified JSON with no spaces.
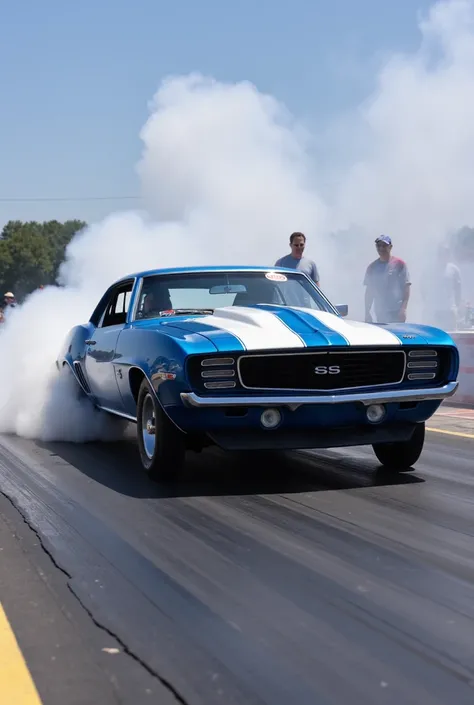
{"x":16,"y":684}
{"x":450,"y":433}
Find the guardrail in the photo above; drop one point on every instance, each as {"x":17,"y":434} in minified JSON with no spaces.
{"x":465,"y":395}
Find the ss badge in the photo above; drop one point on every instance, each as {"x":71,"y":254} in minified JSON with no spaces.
{"x":325,"y":370}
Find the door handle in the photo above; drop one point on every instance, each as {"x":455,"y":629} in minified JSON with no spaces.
{"x":89,"y":342}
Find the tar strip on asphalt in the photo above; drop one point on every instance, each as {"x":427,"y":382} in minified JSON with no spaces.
{"x":311,"y":579}
{"x":67,"y":657}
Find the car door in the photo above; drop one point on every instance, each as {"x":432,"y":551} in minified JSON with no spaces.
{"x":100,"y":354}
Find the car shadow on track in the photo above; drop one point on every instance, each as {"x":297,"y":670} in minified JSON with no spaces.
{"x":217,"y":473}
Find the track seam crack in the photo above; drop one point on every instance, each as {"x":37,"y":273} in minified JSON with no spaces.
{"x":164,"y":682}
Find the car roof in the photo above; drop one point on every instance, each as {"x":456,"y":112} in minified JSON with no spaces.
{"x":197,"y":270}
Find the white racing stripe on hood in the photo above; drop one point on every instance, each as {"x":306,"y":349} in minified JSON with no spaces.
{"x":355,"y":332}
{"x":257,"y":330}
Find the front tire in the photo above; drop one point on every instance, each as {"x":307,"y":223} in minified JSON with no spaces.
{"x":400,"y":456}
{"x":162,"y":446}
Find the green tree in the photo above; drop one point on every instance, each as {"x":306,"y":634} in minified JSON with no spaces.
{"x":31,"y":253}
{"x":59,"y":235}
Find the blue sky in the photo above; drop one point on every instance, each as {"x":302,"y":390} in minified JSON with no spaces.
{"x":76,"y":78}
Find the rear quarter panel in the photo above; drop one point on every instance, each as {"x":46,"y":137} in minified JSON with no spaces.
{"x":73,"y":347}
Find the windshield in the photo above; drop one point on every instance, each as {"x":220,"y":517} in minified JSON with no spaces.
{"x":206,"y":291}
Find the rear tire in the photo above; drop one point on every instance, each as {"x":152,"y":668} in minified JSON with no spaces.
{"x":162,"y":446}
{"x":400,"y":456}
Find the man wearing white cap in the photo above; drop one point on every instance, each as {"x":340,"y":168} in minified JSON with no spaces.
{"x":387,"y":283}
{"x":8,"y":299}
{"x":8,"y":302}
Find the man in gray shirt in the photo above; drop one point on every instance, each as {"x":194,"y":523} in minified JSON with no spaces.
{"x":295,"y":259}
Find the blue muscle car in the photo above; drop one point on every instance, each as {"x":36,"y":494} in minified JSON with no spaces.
{"x":255,"y":358}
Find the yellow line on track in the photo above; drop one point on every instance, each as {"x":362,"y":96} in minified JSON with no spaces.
{"x":450,"y":433}
{"x":16,"y":684}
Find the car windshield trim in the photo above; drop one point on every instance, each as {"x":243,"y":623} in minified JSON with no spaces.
{"x":291,"y":288}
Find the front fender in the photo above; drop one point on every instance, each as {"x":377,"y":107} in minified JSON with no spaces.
{"x":413,"y":334}
{"x":418,"y":334}
{"x":156,"y":355}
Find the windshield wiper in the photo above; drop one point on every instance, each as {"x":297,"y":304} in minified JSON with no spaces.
{"x":185,"y":311}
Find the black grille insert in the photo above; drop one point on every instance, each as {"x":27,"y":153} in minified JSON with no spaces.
{"x":323,"y":371}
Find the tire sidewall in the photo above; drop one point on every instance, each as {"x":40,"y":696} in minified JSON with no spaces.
{"x":169,"y":452}
{"x":403,"y":454}
{"x":145,"y":391}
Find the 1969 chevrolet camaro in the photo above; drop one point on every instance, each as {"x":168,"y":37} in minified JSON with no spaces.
{"x":255,"y":358}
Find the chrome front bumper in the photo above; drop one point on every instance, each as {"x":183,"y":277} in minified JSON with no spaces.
{"x":190,"y":399}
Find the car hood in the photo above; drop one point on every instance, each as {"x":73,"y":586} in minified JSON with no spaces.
{"x":269,"y":327}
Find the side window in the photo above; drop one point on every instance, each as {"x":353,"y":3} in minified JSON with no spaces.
{"x":117,"y":307}
{"x":122,"y":303}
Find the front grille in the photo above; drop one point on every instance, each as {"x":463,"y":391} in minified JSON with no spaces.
{"x":311,"y":371}
{"x":325,"y":371}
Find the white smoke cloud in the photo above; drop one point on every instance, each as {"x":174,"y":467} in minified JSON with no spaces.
{"x":414,"y":177}
{"x":417,"y":175}
{"x":226,"y":177}
{"x":229,"y":164}
{"x":223,"y":170}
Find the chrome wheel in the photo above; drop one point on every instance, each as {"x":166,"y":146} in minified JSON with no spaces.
{"x":161,"y":444}
{"x":148,"y":426}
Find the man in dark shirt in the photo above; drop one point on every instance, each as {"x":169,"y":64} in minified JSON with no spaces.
{"x":387,"y":284}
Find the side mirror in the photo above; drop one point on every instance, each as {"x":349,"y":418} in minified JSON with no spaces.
{"x":343,"y":309}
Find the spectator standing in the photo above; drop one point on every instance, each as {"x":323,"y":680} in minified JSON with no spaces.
{"x":295,"y":259}
{"x":9,"y":301}
{"x":442,"y":291}
{"x":387,"y":283}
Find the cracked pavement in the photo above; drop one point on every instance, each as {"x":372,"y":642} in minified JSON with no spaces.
{"x":314,"y":579}
{"x":70,"y":657}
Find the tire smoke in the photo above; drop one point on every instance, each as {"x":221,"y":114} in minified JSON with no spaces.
{"x":226,"y":177}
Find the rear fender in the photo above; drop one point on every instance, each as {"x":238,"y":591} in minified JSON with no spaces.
{"x":72,"y":354}
{"x":73,"y":347}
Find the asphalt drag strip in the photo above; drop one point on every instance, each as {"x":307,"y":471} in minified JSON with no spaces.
{"x":60,"y":653}
{"x":316,"y":579}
